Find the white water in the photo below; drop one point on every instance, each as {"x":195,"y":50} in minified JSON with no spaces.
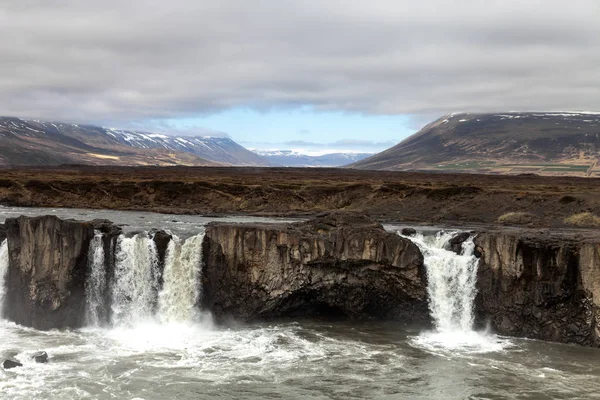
{"x":135,"y":282}
{"x":451,"y":288}
{"x":96,"y":282}
{"x":3,"y":272}
{"x":179,"y":296}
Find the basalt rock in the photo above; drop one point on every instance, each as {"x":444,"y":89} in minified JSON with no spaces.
{"x":408,"y":231}
{"x":336,"y":264}
{"x":10,"y":363}
{"x":540,"y":285}
{"x":457,"y":241}
{"x":2,"y":233}
{"x":40,"y":357}
{"x":47,"y":270}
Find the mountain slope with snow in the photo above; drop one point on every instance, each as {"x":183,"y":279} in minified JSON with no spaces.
{"x":548,"y":143}
{"x":33,"y":142}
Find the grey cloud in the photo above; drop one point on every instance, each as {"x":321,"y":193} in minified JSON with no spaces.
{"x":120,"y":62}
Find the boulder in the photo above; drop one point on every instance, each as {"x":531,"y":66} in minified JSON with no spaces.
{"x":40,"y":357}
{"x":408,"y":231}
{"x":11,"y":363}
{"x":337,"y":264}
{"x":455,"y":243}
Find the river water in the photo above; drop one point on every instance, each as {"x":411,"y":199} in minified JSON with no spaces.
{"x":175,"y":352}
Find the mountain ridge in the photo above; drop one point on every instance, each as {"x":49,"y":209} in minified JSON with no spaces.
{"x":547,"y":143}
{"x":35,"y":142}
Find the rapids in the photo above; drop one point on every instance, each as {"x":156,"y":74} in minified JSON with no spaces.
{"x":159,"y":345}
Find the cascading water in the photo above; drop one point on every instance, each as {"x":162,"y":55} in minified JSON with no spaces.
{"x":181,"y":289}
{"x":451,"y":288}
{"x":451,"y":281}
{"x":135,"y":281}
{"x":3,"y":272}
{"x":96,"y":282}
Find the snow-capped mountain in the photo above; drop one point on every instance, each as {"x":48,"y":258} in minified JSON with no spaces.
{"x":37,"y":142}
{"x":297,"y":158}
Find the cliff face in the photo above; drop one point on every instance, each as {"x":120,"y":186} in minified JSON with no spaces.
{"x":48,"y":269}
{"x":540,"y":286}
{"x":333,"y":265}
{"x":46,"y":277}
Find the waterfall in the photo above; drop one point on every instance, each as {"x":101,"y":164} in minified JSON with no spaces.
{"x":181,"y":288}
{"x":135,"y":281}
{"x":3,"y":272}
{"x":96,"y":282}
{"x":451,"y":281}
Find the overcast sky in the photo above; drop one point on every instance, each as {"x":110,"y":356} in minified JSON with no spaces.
{"x":277,"y":71}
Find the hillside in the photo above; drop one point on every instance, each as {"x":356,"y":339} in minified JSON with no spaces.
{"x":557,"y":143}
{"x":290,"y":158}
{"x":33,"y":142}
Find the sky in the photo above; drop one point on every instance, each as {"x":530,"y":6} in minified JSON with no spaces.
{"x":335,"y":74}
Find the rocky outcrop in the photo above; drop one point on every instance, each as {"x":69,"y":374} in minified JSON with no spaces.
{"x":40,"y":357}
{"x":11,"y":363}
{"x":540,"y":285}
{"x":47,"y":270}
{"x":2,"y":233}
{"x":337,"y":264}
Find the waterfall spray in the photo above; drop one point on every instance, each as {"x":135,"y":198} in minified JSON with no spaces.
{"x":3,"y":272}
{"x":451,"y":281}
{"x":136,"y":276}
{"x":181,"y":288}
{"x":96,"y":283}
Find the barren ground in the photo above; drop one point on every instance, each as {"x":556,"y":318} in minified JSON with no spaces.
{"x":386,"y":196}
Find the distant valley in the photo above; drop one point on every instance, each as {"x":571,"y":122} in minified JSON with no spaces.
{"x":291,"y":158}
{"x":553,"y":143}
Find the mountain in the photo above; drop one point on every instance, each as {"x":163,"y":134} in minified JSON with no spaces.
{"x":33,"y":142}
{"x":291,"y":158}
{"x":551,"y":143}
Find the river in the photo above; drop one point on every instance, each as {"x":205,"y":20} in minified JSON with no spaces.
{"x":171,"y":354}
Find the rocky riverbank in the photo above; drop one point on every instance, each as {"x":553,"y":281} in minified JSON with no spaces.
{"x":531,"y":283}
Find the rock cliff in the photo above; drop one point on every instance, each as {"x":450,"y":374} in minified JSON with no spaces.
{"x":334,"y":265}
{"x":47,"y":270}
{"x":540,"y":285}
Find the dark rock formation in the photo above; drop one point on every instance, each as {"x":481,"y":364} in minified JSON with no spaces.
{"x":457,"y":241}
{"x":408,"y":231}
{"x":336,"y":264}
{"x":10,"y":363}
{"x":2,"y":233}
{"x":48,"y":266}
{"x":40,"y":357}
{"x":540,"y":285}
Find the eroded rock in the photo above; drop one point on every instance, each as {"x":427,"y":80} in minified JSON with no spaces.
{"x":540,"y":285}
{"x":46,"y":279}
{"x":335,"y":264}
